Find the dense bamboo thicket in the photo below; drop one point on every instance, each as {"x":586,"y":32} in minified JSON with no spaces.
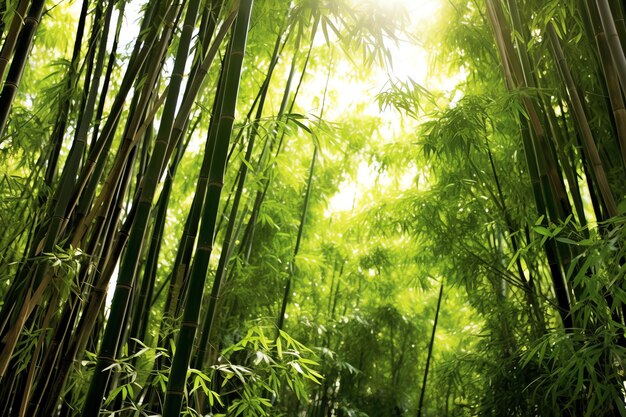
{"x":282,"y":208}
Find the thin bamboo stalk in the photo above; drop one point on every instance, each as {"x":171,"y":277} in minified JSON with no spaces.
{"x":292,"y":265}
{"x":420,"y":403}
{"x":71,"y":78}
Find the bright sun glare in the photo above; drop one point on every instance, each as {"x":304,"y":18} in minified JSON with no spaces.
{"x":409,"y":60}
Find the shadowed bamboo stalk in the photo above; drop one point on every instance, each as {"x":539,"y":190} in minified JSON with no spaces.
{"x":130,"y":260}
{"x":71,"y":79}
{"x":226,"y":250}
{"x":14,"y":76}
{"x":12,"y":35}
{"x":184,"y":342}
{"x":613,"y":41}
{"x":588,"y":141}
{"x":545,"y":188}
{"x":610,"y":77}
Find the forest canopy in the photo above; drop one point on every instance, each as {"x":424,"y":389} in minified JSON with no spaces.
{"x":312,"y":208}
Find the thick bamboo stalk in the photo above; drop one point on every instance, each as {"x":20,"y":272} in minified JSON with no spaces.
{"x":12,"y":35}
{"x":184,"y":342}
{"x":14,"y":76}
{"x":226,"y":250}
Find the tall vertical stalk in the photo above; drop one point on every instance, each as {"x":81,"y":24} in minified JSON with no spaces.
{"x":191,"y":312}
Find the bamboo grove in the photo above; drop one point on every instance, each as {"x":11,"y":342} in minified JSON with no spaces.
{"x":176,"y":238}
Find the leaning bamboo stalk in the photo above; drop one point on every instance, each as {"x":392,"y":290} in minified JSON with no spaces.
{"x":14,"y":76}
{"x":285,"y":106}
{"x":617,"y":6}
{"x":610,"y":77}
{"x":71,"y":79}
{"x":186,"y":336}
{"x":12,"y":35}
{"x":588,"y":141}
{"x":420,"y":403}
{"x":228,"y":234}
{"x":199,"y":77}
{"x":292,"y":265}
{"x":130,"y":261}
{"x":141,"y":308}
{"x":613,"y":41}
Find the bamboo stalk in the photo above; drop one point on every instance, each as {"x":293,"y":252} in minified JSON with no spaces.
{"x":420,"y":403}
{"x":226,"y":250}
{"x":64,"y":107}
{"x":589,"y":144}
{"x":184,"y":343}
{"x":14,"y":76}
{"x":613,"y":41}
{"x":292,"y":265}
{"x":610,"y":77}
{"x":12,"y":36}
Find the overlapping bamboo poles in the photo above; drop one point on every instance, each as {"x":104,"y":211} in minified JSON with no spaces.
{"x":191,"y":312}
{"x":147,"y":190}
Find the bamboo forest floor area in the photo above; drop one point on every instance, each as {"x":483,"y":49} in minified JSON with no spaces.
{"x":312,"y":208}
